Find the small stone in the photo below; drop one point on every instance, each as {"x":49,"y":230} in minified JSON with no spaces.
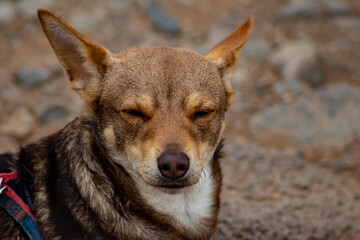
{"x":57,"y":71}
{"x":162,"y":20}
{"x":289,"y":86}
{"x":7,"y":11}
{"x":256,"y":49}
{"x":52,"y":113}
{"x":30,"y":77}
{"x":81,"y":21}
{"x":346,"y":164}
{"x":19,"y":124}
{"x":29,"y":8}
{"x":300,"y":8}
{"x":309,"y":71}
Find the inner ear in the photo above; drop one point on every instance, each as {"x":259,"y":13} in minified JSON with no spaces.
{"x":83,"y":60}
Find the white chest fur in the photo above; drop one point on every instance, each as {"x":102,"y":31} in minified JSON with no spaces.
{"x":187,"y":208}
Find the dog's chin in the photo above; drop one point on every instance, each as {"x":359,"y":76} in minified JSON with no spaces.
{"x":172,"y":189}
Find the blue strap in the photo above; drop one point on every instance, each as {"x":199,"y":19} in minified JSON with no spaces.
{"x":21,"y":216}
{"x":26,"y":221}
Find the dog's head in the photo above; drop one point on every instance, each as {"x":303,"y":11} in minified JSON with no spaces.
{"x":161,"y":109}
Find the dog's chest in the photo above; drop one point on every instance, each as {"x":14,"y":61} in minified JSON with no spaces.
{"x":189,"y":208}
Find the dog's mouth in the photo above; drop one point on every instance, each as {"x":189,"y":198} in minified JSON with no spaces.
{"x":173,"y":186}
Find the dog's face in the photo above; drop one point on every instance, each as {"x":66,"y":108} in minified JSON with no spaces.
{"x":163,"y":102}
{"x":161,"y":110}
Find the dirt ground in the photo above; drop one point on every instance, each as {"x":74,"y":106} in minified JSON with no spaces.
{"x":274,"y":188}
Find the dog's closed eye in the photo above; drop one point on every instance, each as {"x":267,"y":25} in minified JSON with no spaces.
{"x":202,"y":114}
{"x":134,"y":113}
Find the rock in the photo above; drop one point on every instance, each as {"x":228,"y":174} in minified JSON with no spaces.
{"x":188,"y":3}
{"x":120,"y":6}
{"x":30,"y":77}
{"x":298,"y":61}
{"x":7,"y":11}
{"x":302,"y":8}
{"x":309,"y":8}
{"x":333,"y":8}
{"x":162,"y":20}
{"x":329,"y":117}
{"x":52,"y":113}
{"x":19,"y":124}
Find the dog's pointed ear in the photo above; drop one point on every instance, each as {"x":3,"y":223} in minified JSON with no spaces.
{"x":225,"y":53}
{"x":83,"y":60}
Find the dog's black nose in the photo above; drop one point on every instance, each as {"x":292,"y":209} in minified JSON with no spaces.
{"x":173,"y":165}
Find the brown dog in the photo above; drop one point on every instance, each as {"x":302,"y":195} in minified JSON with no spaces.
{"x":142,"y":160}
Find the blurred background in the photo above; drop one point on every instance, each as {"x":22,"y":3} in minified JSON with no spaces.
{"x":292,"y":165}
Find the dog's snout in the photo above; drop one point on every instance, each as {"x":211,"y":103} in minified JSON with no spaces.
{"x":173,"y":165}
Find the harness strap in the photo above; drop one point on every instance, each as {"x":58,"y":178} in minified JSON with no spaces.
{"x":16,"y":207}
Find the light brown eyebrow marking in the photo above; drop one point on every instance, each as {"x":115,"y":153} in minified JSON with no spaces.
{"x":143,"y":103}
{"x":199,"y":101}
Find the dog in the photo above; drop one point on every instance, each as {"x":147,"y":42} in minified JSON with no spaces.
{"x":142,"y":159}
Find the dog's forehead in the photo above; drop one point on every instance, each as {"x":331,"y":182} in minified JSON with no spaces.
{"x":163,"y":72}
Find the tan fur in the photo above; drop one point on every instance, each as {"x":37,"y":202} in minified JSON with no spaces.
{"x":139,"y":104}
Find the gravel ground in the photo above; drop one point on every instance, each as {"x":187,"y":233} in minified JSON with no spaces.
{"x":271,"y":194}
